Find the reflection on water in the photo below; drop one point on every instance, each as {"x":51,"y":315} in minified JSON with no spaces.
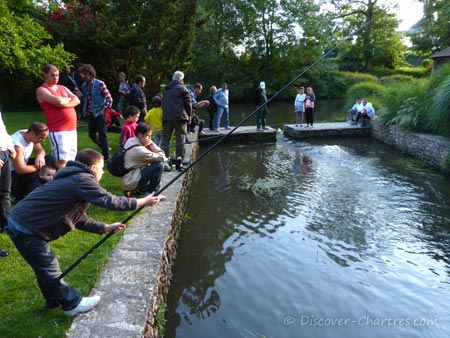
{"x":336,"y":238}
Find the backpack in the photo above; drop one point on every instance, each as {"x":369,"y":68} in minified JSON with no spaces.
{"x":116,"y":165}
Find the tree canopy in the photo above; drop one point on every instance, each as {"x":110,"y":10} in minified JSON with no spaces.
{"x":242,"y":41}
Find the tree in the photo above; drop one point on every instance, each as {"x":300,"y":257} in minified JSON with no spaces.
{"x":25,"y":50}
{"x":431,"y":34}
{"x":374,"y":39}
{"x":373,"y":30}
{"x":148,"y":37}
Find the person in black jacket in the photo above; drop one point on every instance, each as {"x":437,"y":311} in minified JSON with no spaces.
{"x":177,"y":109}
{"x":136,"y":96}
{"x":260,"y":99}
{"x":37,"y":220}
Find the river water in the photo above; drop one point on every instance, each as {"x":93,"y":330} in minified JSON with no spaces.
{"x":327,"y":238}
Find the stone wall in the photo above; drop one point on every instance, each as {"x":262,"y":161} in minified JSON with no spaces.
{"x":164,"y":274}
{"x":429,"y":148}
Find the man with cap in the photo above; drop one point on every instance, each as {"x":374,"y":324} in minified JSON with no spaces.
{"x":260,"y":100}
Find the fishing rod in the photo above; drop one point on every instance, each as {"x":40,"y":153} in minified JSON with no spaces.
{"x":207,"y":151}
{"x":192,"y":164}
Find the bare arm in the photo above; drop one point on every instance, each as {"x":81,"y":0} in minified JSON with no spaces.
{"x":20,"y":166}
{"x":44,"y":95}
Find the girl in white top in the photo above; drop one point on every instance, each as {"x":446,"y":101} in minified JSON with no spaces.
{"x":299,"y":106}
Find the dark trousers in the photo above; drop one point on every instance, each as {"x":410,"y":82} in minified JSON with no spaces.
{"x":261,"y":117}
{"x":201,"y":124}
{"x":212,"y":118}
{"x":309,"y":116}
{"x":5,"y":188}
{"x":363,"y":116}
{"x":39,"y":255}
{"x":180,"y":128}
{"x":97,"y":132}
{"x":150,"y":178}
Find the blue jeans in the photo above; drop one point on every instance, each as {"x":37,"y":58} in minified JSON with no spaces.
{"x":222,"y":111}
{"x":150,"y":178}
{"x":39,"y":255}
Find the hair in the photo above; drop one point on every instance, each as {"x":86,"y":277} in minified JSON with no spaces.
{"x":46,"y":168}
{"x":139,"y":78}
{"x":89,"y":69}
{"x":300,"y":88}
{"x":178,"y":75}
{"x":142,"y":128}
{"x":213,"y":89}
{"x":156,"y":101}
{"x":37,"y":128}
{"x":311,"y":89}
{"x":88,"y":157}
{"x":131,"y":111}
{"x":123,"y":74}
{"x":48,"y":67}
{"x":60,"y":164}
{"x":197,"y":85}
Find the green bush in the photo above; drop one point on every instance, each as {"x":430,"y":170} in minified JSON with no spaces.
{"x":334,"y":84}
{"x":405,"y":104}
{"x":417,"y":72}
{"x":392,"y":79}
{"x":440,"y":107}
{"x":427,"y":63}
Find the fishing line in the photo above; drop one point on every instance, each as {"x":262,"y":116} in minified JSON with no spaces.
{"x":206,"y":152}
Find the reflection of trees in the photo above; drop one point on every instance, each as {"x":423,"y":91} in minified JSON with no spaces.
{"x":222,"y":217}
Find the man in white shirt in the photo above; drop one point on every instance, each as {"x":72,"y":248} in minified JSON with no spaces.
{"x":368,"y":113}
{"x":357,"y":108}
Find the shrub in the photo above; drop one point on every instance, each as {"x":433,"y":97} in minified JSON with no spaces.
{"x":392,"y":79}
{"x":404,"y":104}
{"x":427,"y":63}
{"x":440,"y":107}
{"x":417,"y":72}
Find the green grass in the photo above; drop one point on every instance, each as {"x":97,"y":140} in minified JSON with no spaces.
{"x":22,"y":311}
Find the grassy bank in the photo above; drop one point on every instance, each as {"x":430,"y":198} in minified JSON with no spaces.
{"x":22,"y":311}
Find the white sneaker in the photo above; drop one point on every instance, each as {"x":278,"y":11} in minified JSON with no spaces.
{"x":86,"y":304}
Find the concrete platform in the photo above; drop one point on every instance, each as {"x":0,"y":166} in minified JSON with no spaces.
{"x":243,"y":134}
{"x":335,"y":129}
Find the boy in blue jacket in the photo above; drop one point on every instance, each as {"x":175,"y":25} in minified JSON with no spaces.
{"x":54,"y":209}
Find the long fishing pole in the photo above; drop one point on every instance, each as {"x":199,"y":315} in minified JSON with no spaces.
{"x":207,"y":151}
{"x":181,"y":173}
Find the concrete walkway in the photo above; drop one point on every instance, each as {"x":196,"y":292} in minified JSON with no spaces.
{"x":128,"y":283}
{"x":334,"y":129}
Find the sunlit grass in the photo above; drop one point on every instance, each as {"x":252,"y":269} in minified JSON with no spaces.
{"x":22,"y":312}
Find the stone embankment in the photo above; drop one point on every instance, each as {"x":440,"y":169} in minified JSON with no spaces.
{"x":429,"y":148}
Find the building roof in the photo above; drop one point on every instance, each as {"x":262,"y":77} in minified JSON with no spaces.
{"x":442,"y":54}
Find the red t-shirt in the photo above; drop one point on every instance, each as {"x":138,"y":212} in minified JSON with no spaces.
{"x":59,"y":119}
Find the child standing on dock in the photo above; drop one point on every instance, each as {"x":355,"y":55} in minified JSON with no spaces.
{"x":299,"y":105}
{"x":309,"y":105}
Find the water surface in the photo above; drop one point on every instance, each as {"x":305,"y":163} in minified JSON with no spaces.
{"x":334,"y":238}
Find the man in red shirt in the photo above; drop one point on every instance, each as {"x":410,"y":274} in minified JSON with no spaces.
{"x":58,"y":104}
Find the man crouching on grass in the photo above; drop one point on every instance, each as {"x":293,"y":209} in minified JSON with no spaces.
{"x":54,"y":209}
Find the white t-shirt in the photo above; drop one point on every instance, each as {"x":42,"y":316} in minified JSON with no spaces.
{"x":27,"y":147}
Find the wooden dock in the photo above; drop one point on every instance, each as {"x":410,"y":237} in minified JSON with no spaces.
{"x":335,"y":129}
{"x":243,"y":134}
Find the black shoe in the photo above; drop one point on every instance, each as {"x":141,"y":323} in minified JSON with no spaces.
{"x":52,"y":305}
{"x":3,"y":253}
